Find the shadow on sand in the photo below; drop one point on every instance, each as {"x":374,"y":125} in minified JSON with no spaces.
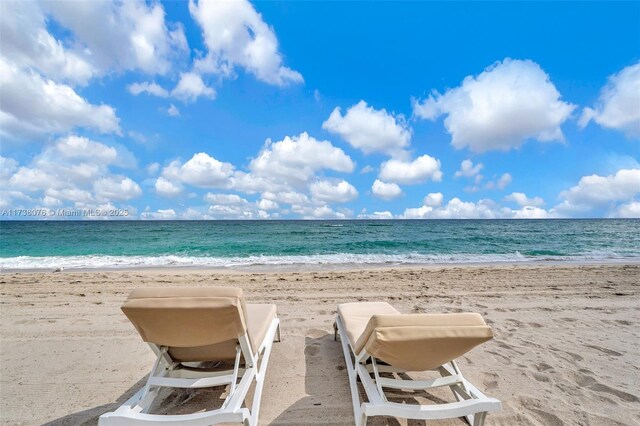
{"x":324,"y":404}
{"x":331,"y":404}
{"x":90,"y":416}
{"x":327,"y":400}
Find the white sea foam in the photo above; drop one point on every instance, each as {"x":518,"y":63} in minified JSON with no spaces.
{"x":121,"y":262}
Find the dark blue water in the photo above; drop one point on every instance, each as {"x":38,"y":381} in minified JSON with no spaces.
{"x":84,"y":244}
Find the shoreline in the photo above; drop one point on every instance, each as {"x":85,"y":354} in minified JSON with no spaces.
{"x":344,"y":267}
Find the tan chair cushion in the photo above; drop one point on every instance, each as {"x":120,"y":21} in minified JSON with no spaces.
{"x":259,"y":318}
{"x":418,"y":342}
{"x":356,"y":316}
{"x":187,"y":316}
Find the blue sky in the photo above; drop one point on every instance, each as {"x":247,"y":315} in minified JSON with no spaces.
{"x":232,"y":109}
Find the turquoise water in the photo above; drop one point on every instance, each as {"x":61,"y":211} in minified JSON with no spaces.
{"x":84,"y":244}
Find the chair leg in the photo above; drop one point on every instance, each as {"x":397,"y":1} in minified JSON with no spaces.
{"x":255,"y":407}
{"x":363,"y":419}
{"x":278,"y":336}
{"x":358,"y":413}
{"x":478,"y":418}
{"x":259,"y":378}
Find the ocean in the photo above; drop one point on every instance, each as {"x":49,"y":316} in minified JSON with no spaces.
{"x":246,"y":244}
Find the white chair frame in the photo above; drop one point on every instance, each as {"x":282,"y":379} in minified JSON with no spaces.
{"x":168,"y":373}
{"x":470,"y":403}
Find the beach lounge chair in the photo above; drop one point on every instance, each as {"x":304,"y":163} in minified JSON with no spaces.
{"x":192,"y":325}
{"x":377,"y":339}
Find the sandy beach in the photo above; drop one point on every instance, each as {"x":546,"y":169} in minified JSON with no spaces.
{"x":565,"y":348}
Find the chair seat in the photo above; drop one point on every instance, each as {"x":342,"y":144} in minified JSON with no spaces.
{"x":356,"y":316}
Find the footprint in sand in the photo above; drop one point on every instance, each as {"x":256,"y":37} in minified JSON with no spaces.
{"x":599,"y":387}
{"x":316,"y":333}
{"x":604,"y":350}
{"x":590,"y":382}
{"x":497,"y":354}
{"x":574,"y":357}
{"x":490,"y":382}
{"x":509,"y":347}
{"x":543,"y":366}
{"x":517,"y":323}
{"x":547,"y":418}
{"x":312,"y":349}
{"x":541,"y":377}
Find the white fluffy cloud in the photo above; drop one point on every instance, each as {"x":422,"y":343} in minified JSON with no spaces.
{"x":522,"y":200}
{"x":133,"y":35}
{"x":618,"y":106}
{"x":38,"y":71}
{"x":483,"y":209}
{"x":173,"y":111}
{"x":370,"y":130}
{"x":411,"y":172}
{"x":235,"y":212}
{"x":281,"y":173}
{"x":286,"y":197}
{"x":508,"y":103}
{"x":333,"y":191}
{"x":152,"y":88}
{"x":116,"y":188}
{"x":35,"y":47}
{"x":501,"y":183}
{"x":161,"y":214}
{"x":375,"y":215}
{"x":600,"y":191}
{"x":166,"y":188}
{"x":32,"y":105}
{"x":433,"y":199}
{"x":7,"y":167}
{"x":266,"y":205}
{"x":467,"y":169}
{"x":531,"y":212}
{"x":77,"y":147}
{"x":201,"y":170}
{"x":225,"y":199}
{"x":191,"y":87}
{"x":455,"y":209}
{"x":386,"y":191}
{"x":232,"y":206}
{"x":72,"y":171}
{"x":293,"y":161}
{"x":628,"y":210}
{"x":235,"y":35}
{"x":322,"y":212}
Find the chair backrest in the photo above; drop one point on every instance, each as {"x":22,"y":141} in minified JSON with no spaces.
{"x":419,"y":342}
{"x":187,"y":317}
